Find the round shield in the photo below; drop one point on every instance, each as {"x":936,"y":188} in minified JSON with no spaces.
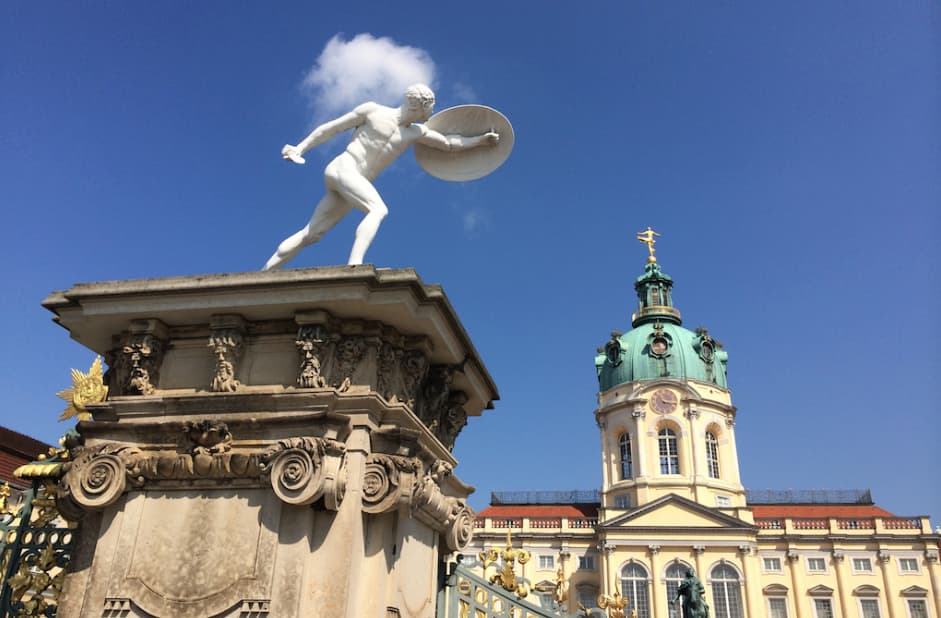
{"x":473,"y":163}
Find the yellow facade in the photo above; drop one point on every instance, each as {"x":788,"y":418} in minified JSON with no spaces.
{"x":672,"y":498}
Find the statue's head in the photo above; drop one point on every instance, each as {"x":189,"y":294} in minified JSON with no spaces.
{"x":690,"y":572}
{"x":420,"y":100}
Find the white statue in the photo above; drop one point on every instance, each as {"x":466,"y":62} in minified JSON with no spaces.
{"x":380,"y":135}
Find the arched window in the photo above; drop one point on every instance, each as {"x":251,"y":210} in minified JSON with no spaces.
{"x":627,"y":461}
{"x":726,"y":592}
{"x":634,"y":587}
{"x":669,"y":456}
{"x":712,"y":454}
{"x":675,"y":574}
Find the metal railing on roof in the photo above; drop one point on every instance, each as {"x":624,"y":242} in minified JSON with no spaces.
{"x":574,"y":496}
{"x":809,"y":496}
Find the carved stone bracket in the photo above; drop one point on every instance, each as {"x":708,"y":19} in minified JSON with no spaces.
{"x":838,"y":555}
{"x":225,"y":340}
{"x":302,"y":470}
{"x":134,"y":363}
{"x":931,"y":555}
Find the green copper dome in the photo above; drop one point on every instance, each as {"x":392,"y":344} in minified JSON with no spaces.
{"x":658,"y":346}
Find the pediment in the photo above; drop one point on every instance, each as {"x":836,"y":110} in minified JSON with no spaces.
{"x":866,"y":591}
{"x":820,"y":591}
{"x":775,"y":589}
{"x":914,"y":591}
{"x":674,"y":511}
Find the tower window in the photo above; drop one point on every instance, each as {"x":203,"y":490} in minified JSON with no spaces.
{"x":627,"y":461}
{"x":712,"y":454}
{"x":669,"y":455}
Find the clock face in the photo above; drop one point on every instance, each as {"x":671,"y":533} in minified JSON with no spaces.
{"x":663,"y":401}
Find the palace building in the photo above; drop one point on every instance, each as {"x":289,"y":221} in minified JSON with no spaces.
{"x":671,"y":499}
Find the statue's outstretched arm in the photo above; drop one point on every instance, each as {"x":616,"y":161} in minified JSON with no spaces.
{"x":327,"y":131}
{"x":448,"y":143}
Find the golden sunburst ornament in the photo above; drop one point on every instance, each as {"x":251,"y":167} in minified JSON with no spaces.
{"x":86,"y":388}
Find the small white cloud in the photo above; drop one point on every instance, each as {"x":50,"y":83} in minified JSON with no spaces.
{"x":474,"y":219}
{"x":365,"y":68}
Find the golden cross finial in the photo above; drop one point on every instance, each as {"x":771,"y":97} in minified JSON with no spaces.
{"x":647,"y":237}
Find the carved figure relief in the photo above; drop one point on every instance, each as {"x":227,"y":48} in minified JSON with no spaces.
{"x":226,"y":346}
{"x":349,"y":352}
{"x":135,"y":364}
{"x":312,"y":344}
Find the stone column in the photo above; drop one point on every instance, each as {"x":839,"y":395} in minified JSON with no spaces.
{"x":752,"y":580}
{"x":931,"y":560}
{"x":654,"y":551}
{"x":794,"y":565}
{"x":839,"y":568}
{"x":606,"y":550}
{"x":884,"y":567}
{"x":698,"y":551}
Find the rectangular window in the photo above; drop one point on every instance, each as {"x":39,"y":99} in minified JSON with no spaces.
{"x":917,"y":608}
{"x":587,"y":563}
{"x":823,"y":608}
{"x":869,"y":608}
{"x":772,"y":565}
{"x":862,"y":565}
{"x":623,"y":501}
{"x":817,"y":565}
{"x":546,"y":562}
{"x":777,"y":607}
{"x":908,"y":565}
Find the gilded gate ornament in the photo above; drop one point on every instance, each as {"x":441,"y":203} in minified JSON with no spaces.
{"x":506,"y":576}
{"x":614,"y":604}
{"x":86,"y":388}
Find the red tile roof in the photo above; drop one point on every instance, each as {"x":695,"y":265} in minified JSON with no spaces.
{"x":818,"y":510}
{"x":540,"y":510}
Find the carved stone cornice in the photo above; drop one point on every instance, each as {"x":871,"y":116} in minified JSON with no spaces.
{"x":134,"y":362}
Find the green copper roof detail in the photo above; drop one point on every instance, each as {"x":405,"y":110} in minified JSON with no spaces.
{"x":658,"y":346}
{"x":655,"y":297}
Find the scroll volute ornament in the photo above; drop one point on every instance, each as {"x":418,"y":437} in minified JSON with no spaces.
{"x":96,"y":478}
{"x":303,"y":470}
{"x":389,"y":481}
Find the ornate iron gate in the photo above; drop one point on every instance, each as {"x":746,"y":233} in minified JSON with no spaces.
{"x":467,"y":595}
{"x":35,"y":547}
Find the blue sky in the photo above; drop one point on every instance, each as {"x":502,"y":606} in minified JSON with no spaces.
{"x":788,"y":153}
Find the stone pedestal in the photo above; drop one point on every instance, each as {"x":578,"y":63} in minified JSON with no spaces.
{"x":273,"y":444}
